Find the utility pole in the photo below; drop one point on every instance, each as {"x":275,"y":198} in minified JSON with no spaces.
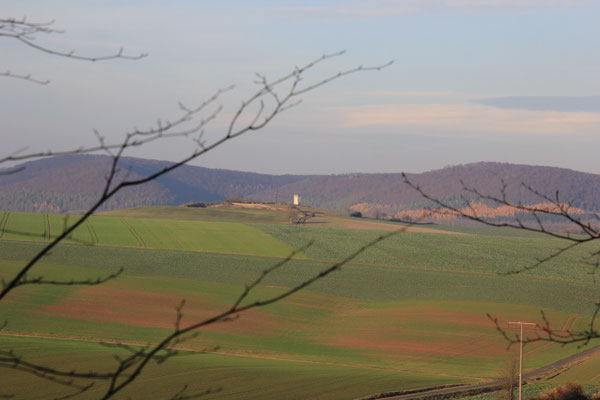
{"x":520,"y":324}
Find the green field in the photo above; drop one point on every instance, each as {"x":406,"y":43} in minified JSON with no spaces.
{"x":204,"y":214}
{"x":409,"y":312}
{"x":229,"y":377}
{"x":207,"y":236}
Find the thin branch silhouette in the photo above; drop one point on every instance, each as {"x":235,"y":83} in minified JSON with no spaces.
{"x":130,"y":367}
{"x":559,"y":208}
{"x":39,"y":280}
{"x":272,"y":98}
{"x":28,"y":77}
{"x":27,"y":32}
{"x":132,"y":139}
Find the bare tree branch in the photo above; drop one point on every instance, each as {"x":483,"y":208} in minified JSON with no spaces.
{"x":189,"y":123}
{"x":130,"y":367}
{"x":560,"y":209}
{"x":136,"y":363}
{"x":39,"y":280}
{"x":133,"y":139}
{"x":444,"y":207}
{"x":181,"y":395}
{"x":27,"y":77}
{"x":25,"y":32}
{"x":137,"y":138}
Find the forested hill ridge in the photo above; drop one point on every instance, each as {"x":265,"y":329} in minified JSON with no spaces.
{"x":71,"y":183}
{"x":388,"y":192}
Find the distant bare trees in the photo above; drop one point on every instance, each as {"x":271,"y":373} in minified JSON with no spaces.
{"x":271,"y":98}
{"x":510,"y":380}
{"x":296,"y":216}
{"x":585,"y":230}
{"x":568,"y":391}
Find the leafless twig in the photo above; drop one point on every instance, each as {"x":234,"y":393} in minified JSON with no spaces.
{"x":169,"y":129}
{"x":27,"y":33}
{"x":561,"y":209}
{"x":190,"y":123}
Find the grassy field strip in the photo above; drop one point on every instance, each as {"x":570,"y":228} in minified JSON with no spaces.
{"x":93,"y":235}
{"x":374,"y":225}
{"x":381,"y":283}
{"x":47,"y":227}
{"x":500,"y":254}
{"x":406,"y":267}
{"x":231,"y":354}
{"x":418,"y":336}
{"x":566,"y":327}
{"x":415,"y":304}
{"x":159,"y":249}
{"x":3,"y":222}
{"x":270,"y":216}
{"x":27,"y":226}
{"x":330,"y":262}
{"x":586,"y":372}
{"x":218,"y":237}
{"x":235,"y":377}
{"x":203,"y":214}
{"x":137,"y":237}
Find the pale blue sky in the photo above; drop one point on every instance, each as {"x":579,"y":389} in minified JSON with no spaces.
{"x":437,"y":105}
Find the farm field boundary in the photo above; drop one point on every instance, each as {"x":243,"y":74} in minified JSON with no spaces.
{"x":302,"y":257}
{"x":229,"y":377}
{"x":415,"y":304}
{"x":231,"y":354}
{"x":147,"y":233}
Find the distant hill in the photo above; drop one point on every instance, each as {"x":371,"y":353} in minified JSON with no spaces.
{"x":389,"y":193}
{"x":71,"y":183}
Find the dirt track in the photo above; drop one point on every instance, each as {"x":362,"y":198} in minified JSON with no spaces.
{"x":481,"y":387}
{"x":223,"y":353}
{"x":425,"y":393}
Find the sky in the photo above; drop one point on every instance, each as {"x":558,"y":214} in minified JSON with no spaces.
{"x":471,"y":80}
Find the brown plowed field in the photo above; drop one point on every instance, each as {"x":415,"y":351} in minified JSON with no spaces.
{"x":152,"y":310}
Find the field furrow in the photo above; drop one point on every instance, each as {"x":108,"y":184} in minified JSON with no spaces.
{"x":133,"y":233}
{"x":415,"y":305}
{"x":48,"y":227}
{"x":4,"y":222}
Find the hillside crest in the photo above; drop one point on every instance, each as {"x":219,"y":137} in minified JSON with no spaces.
{"x":69,"y":184}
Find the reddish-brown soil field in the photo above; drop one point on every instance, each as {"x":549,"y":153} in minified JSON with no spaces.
{"x":152,"y":310}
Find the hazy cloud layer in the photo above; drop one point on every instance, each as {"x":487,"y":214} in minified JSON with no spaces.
{"x":449,"y":55}
{"x":379,"y":8}
{"x":545,"y":103}
{"x":470,"y":118}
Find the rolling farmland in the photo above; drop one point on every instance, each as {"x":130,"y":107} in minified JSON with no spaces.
{"x":229,"y":237}
{"x":409,"y":312}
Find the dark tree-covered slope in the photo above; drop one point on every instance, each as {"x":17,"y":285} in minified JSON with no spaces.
{"x":389,"y":190}
{"x":71,"y":183}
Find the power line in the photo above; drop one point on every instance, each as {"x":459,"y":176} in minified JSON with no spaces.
{"x":520,"y":324}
